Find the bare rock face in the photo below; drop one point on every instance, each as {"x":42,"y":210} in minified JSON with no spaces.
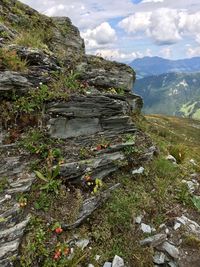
{"x":87,"y":115}
{"x":67,"y":39}
{"x":13,"y":82}
{"x":104,"y":74}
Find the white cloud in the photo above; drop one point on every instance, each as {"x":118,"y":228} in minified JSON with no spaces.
{"x":116,"y":54}
{"x":84,"y":14}
{"x":193,"y":51}
{"x":164,"y":26}
{"x":101,"y":35}
{"x":137,"y":22}
{"x":190,"y":24}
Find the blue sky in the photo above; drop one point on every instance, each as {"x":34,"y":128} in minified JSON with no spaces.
{"x":128,"y":29}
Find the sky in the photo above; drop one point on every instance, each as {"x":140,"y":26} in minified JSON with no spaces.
{"x":127,"y":29}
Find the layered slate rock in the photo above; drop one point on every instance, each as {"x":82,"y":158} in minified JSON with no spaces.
{"x":102,"y":73}
{"x":12,"y":220}
{"x":13,"y":82}
{"x":87,"y":115}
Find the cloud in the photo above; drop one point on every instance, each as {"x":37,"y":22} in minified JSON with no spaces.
{"x":137,"y":22}
{"x":193,"y":52}
{"x":116,"y":54}
{"x":163,"y":28}
{"x":190,"y":24}
{"x":84,"y":14}
{"x":164,"y":25}
{"x":101,"y":35}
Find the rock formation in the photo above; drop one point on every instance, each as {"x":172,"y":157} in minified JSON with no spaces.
{"x":82,"y":103}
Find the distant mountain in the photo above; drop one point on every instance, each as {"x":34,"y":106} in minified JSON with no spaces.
{"x":172,"y":94}
{"x":156,"y":65}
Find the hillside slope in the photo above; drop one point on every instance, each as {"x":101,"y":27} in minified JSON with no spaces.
{"x":173,"y":94}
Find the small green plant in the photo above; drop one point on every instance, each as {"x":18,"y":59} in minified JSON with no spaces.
{"x":68,"y":82}
{"x":51,"y":183}
{"x":129,"y":138}
{"x":196,"y":202}
{"x":10,"y":60}
{"x":43,"y":202}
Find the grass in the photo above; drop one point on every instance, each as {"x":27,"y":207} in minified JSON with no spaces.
{"x":30,"y":39}
{"x":11,"y":61}
{"x":158,"y":194}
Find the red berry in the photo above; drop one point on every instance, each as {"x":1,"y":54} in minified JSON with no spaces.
{"x":58,"y":230}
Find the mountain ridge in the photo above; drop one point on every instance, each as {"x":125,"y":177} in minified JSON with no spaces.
{"x":175,"y":94}
{"x":148,"y":66}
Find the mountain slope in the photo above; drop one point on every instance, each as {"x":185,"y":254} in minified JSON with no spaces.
{"x":171,"y":94}
{"x":156,"y":65}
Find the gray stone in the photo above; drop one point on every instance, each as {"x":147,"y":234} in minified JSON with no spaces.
{"x":107,"y":264}
{"x":146,"y":228}
{"x":190,"y":226}
{"x":159,"y":258}
{"x":170,"y":249}
{"x":138,"y":171}
{"x":14,"y":232}
{"x":99,"y":167}
{"x":173,"y":264}
{"x":149,"y":154}
{"x":83,"y":243}
{"x":154,"y":240}
{"x":13,"y":82}
{"x":118,"y":262}
{"x":138,"y":219}
{"x":102,"y":73}
{"x":171,"y":158}
{"x":8,"y":248}
{"x":192,"y":185}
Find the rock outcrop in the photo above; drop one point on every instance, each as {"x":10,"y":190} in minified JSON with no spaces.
{"x":95,"y":117}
